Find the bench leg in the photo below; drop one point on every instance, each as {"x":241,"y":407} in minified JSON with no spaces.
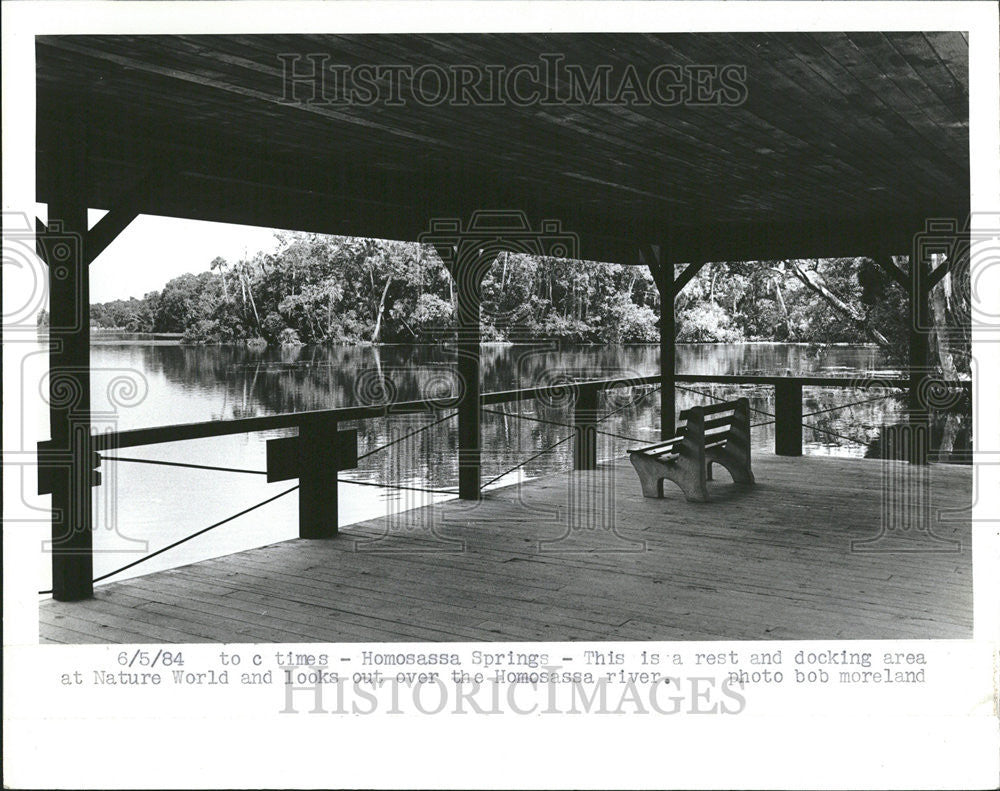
{"x":737,"y":466}
{"x":650,"y":474}
{"x":689,"y":476}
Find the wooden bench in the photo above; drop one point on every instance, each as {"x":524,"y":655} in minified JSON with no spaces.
{"x":687,"y":458}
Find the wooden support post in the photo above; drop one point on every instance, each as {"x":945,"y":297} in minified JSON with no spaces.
{"x":669,"y":287}
{"x":668,"y":352}
{"x":663,"y":276}
{"x":314,"y":457}
{"x":468,"y":267}
{"x":920,"y":319}
{"x":585,"y":414}
{"x":469,"y":439}
{"x":66,"y":464}
{"x":468,"y":341}
{"x":788,"y":418}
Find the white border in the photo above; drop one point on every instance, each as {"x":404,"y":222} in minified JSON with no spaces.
{"x":951,"y":743}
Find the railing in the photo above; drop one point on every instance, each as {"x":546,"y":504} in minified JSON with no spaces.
{"x":318,"y":430}
{"x":788,"y":408}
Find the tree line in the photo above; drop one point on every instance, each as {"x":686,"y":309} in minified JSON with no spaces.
{"x":315,"y":289}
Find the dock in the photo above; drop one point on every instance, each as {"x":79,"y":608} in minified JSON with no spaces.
{"x":581,"y":555}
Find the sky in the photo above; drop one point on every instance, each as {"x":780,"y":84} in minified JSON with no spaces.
{"x":152,"y":250}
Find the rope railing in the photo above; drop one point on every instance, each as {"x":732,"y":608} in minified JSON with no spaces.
{"x":853,"y":403}
{"x":717,"y":398}
{"x":772,"y":420}
{"x":526,"y":417}
{"x":397,"y":486}
{"x":620,"y":436}
{"x":568,"y":425}
{"x":504,"y":413}
{"x":160,"y":462}
{"x":407,"y":436}
{"x":630,"y":403}
{"x":843,"y":406}
{"x":535,"y":419}
{"x":187,"y":538}
{"x":855,"y":440}
{"x":181,"y":464}
{"x":526,"y":461}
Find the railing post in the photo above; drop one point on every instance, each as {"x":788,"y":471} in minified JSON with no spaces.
{"x":585,"y":424}
{"x":788,"y":418}
{"x":318,"y":495}
{"x":314,"y":457}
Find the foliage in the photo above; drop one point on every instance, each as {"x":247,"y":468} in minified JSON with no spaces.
{"x":320,"y":289}
{"x":705,"y":322}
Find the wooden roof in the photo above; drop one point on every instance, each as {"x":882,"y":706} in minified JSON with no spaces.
{"x":844,"y":140}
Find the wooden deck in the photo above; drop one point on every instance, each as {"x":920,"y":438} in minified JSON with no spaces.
{"x":771,"y":562}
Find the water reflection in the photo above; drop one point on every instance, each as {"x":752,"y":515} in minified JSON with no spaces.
{"x":239,"y":382}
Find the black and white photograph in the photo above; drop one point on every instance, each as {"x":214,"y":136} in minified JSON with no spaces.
{"x":411,"y":363}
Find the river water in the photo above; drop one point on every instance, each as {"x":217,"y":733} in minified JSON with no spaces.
{"x":141,"y":507}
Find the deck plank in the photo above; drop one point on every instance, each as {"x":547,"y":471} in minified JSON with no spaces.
{"x":772,"y":562}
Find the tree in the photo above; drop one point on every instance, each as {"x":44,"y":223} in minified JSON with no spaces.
{"x":813,"y":279}
{"x":323,"y":289}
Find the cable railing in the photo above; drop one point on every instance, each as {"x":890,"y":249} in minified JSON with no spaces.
{"x":317,"y":469}
{"x":774,"y":418}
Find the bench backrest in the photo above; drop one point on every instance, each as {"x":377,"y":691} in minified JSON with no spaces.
{"x":701,"y":430}
{"x":733,"y":421}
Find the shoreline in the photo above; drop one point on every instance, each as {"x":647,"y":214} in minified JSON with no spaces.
{"x":105,"y":338}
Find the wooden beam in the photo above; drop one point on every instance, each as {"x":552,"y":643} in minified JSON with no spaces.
{"x":107,"y":229}
{"x":939,"y":272}
{"x":227,"y":179}
{"x":468,"y":369}
{"x":102,"y":234}
{"x":686,"y":276}
{"x":117,"y":219}
{"x":274,"y":75}
{"x":125,"y":209}
{"x":886,"y":264}
{"x":186,"y":89}
{"x":41,"y":231}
